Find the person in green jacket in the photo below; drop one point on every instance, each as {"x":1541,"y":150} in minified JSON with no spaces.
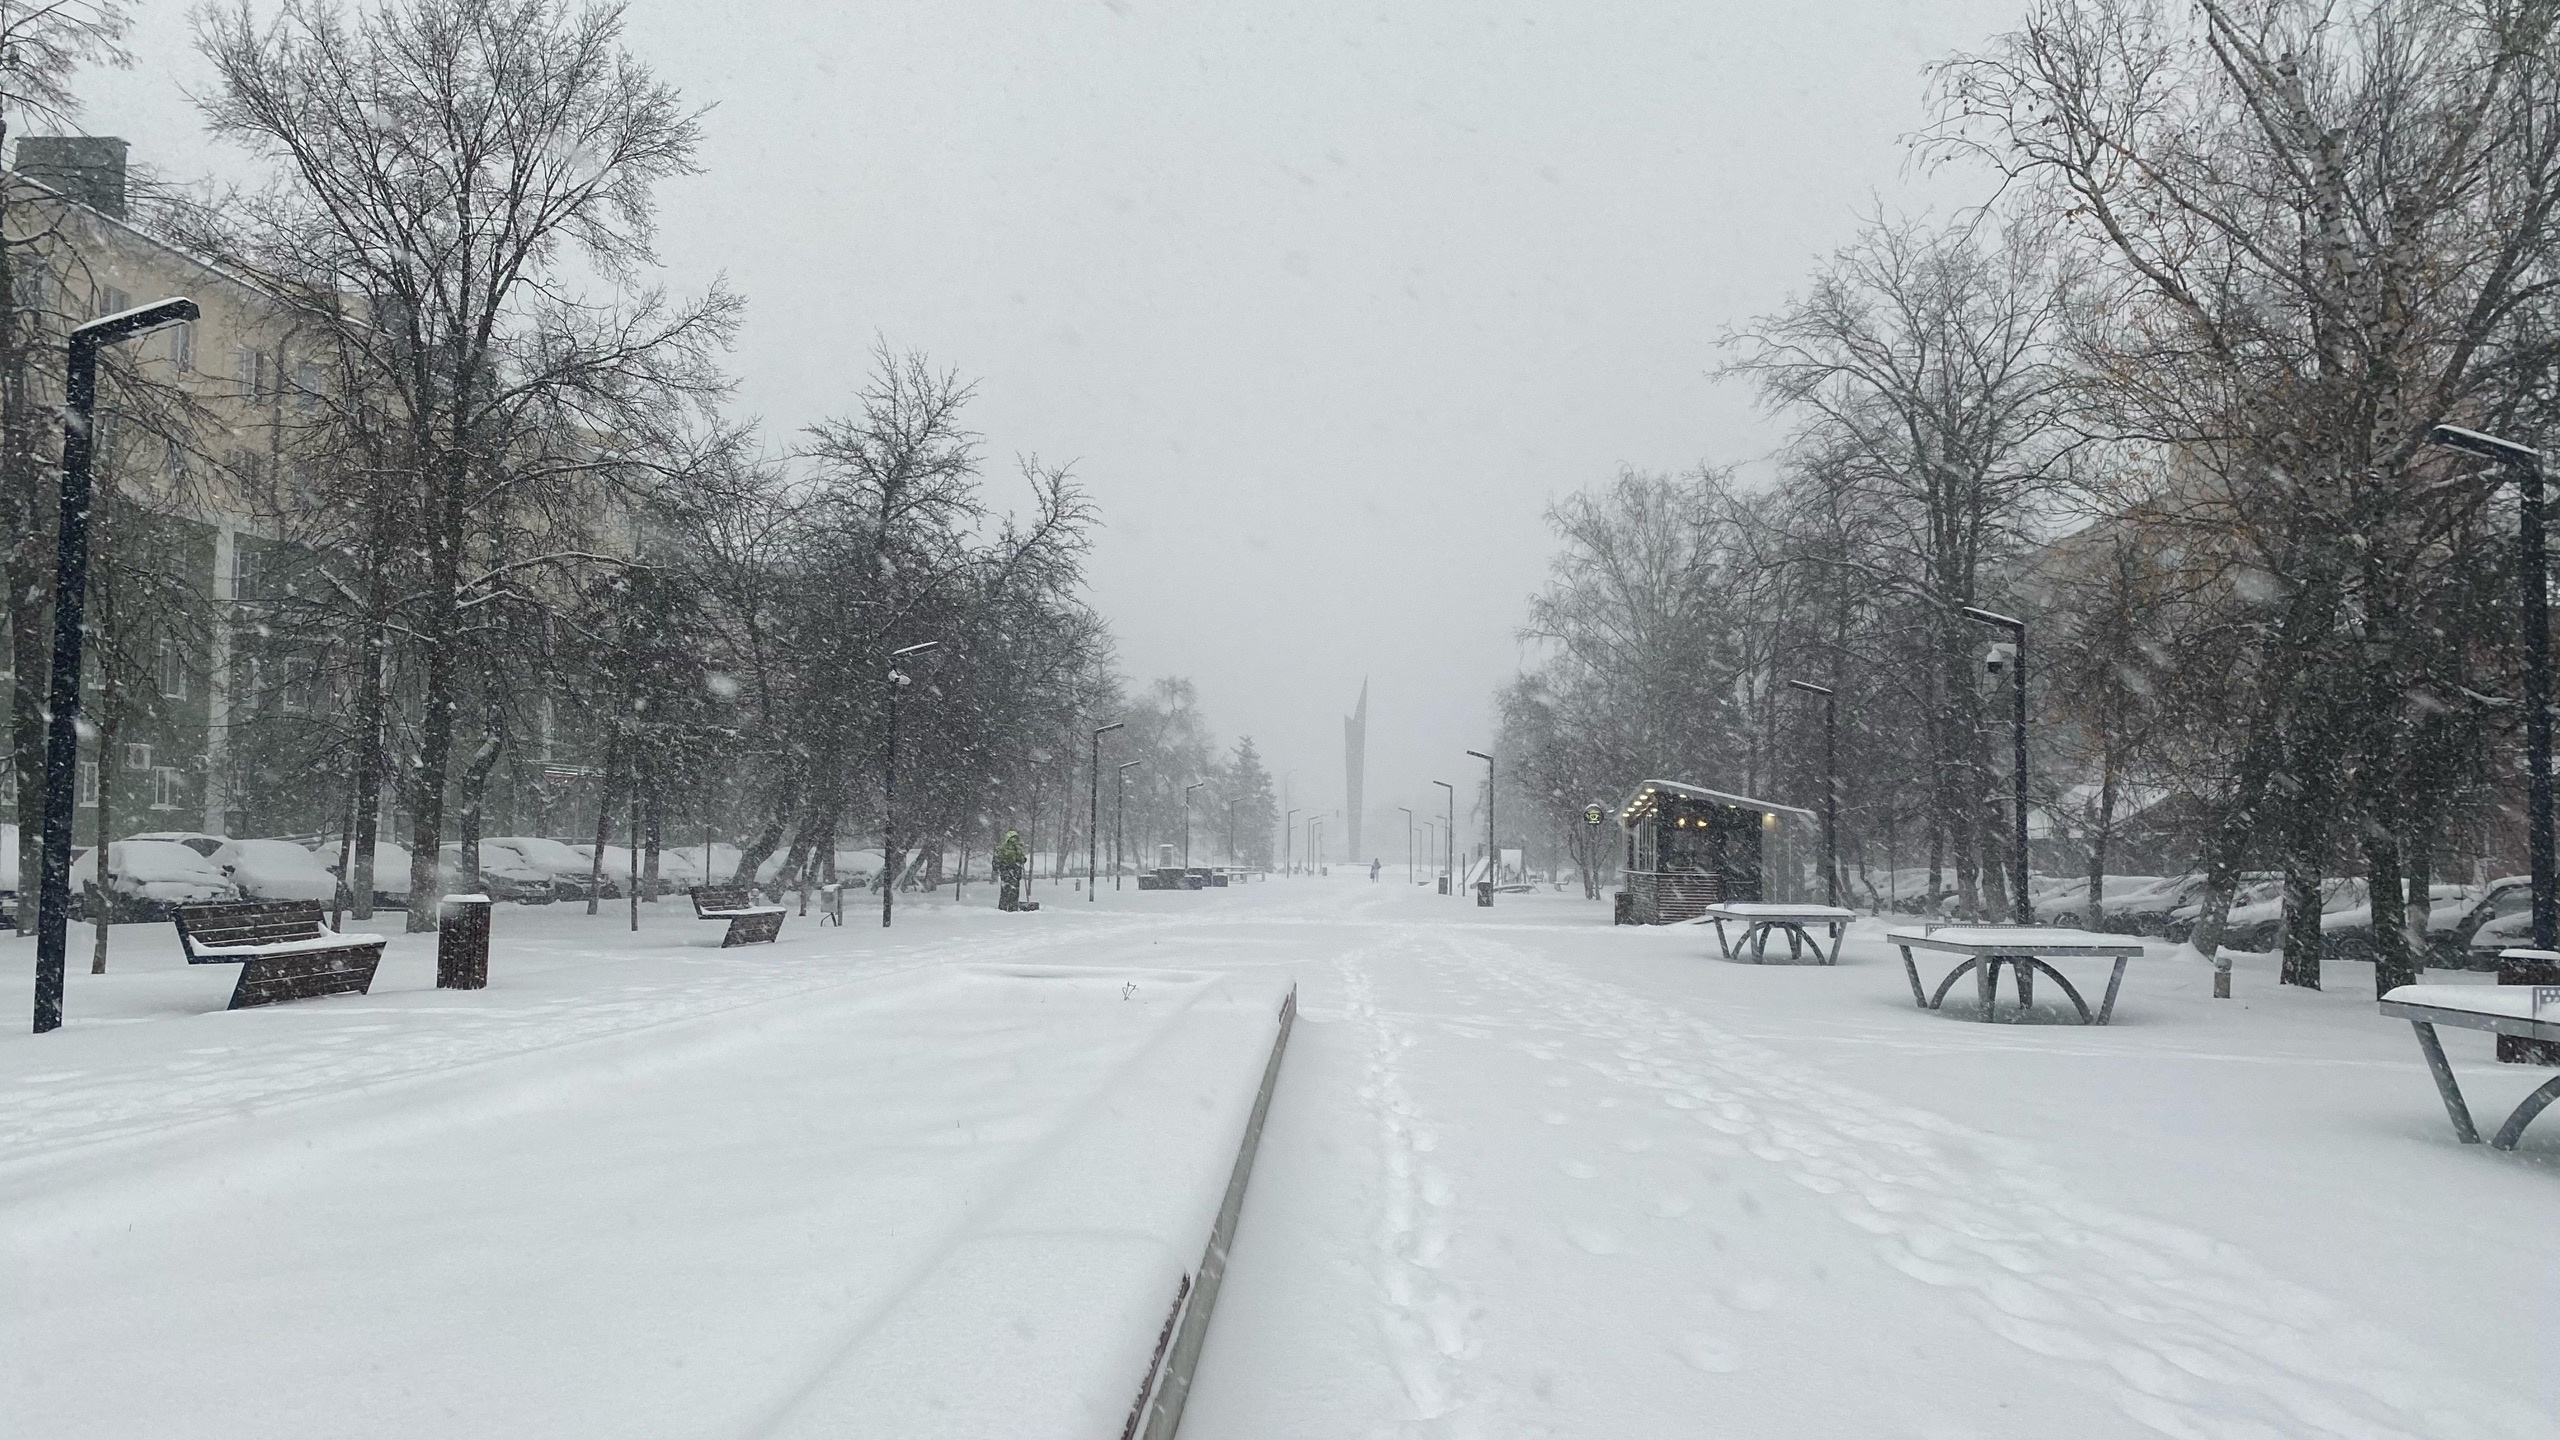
{"x":1009,"y":862}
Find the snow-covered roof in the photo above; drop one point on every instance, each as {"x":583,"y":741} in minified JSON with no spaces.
{"x":1644,"y":794}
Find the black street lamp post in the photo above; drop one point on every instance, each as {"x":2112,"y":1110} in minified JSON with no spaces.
{"x":1408,"y":842}
{"x":1186,"y":821}
{"x":2525,"y":464}
{"x":70,"y":597}
{"x":1449,"y":834}
{"x":2017,"y":659}
{"x":1288,"y":842}
{"x":1093,"y":816}
{"x":1492,"y":857}
{"x":889,"y":783}
{"x":1830,"y":788}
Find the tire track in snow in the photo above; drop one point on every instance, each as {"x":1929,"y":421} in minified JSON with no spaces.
{"x":2199,"y":1341}
{"x":1423,"y":1314}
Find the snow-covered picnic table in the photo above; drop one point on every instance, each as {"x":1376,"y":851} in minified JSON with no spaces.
{"x":2024,"y":949}
{"x":2530,"y":1011}
{"x":1758,"y":917}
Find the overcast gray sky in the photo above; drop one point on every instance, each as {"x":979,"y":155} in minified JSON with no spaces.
{"x":1324,"y":300}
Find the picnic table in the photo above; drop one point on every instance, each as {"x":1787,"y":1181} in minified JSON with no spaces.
{"x":1758,"y":917}
{"x":2025,"y":949}
{"x":2529,"y":1011}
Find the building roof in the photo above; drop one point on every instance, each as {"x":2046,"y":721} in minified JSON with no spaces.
{"x":1643,"y":800}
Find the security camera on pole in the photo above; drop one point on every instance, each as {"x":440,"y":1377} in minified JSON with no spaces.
{"x":2013,"y":658}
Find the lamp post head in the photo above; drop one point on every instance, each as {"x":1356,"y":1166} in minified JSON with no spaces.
{"x":1127,"y":764}
{"x":1981,"y":616}
{"x":2454,"y":437}
{"x":1809,"y":687}
{"x":140,"y":320}
{"x":1101,"y":730}
{"x":916,"y":649}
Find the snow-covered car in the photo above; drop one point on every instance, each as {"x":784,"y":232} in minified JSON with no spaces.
{"x":195,"y":840}
{"x":678,"y":870}
{"x":2348,"y":929}
{"x":2499,"y":919}
{"x":570,"y":870}
{"x":2147,"y":911}
{"x":146,"y":877}
{"x":274,"y":870}
{"x":504,"y":875}
{"x":390,"y":869}
{"x":2067,"y":903}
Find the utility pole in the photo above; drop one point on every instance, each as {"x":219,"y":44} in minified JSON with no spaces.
{"x":1093,"y":815}
{"x":888,"y":787}
{"x":1830,"y":789}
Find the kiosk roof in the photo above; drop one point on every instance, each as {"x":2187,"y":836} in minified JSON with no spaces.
{"x":1637,"y":802}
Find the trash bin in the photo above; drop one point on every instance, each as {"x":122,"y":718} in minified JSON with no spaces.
{"x":1484,"y":892}
{"x":462,"y":943}
{"x":1622,"y":908}
{"x":1444,"y":884}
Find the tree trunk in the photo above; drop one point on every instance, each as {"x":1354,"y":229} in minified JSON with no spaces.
{"x":760,"y":847}
{"x":2301,"y":919}
{"x":475,"y":785}
{"x":604,"y":818}
{"x":2393,"y":965}
{"x":2094,"y":913}
{"x":653,"y":817}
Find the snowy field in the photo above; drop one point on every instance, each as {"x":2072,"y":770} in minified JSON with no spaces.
{"x":1526,"y":1175}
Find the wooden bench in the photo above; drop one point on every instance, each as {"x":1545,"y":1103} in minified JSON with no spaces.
{"x":749,"y":922}
{"x":2530,"y":1012}
{"x":283,"y":950}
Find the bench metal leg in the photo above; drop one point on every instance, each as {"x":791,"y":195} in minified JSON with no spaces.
{"x":1720,"y":940}
{"x":2025,"y":969}
{"x":2451,"y":1090}
{"x":1795,"y":943}
{"x":1938,"y":999}
{"x":1988,"y":982}
{"x":1913,"y":971}
{"x":1759,"y":942}
{"x":2513,"y":1131}
{"x":2115,"y":982}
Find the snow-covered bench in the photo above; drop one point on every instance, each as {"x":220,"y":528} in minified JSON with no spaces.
{"x":283,"y":950}
{"x":2529,"y":1011}
{"x":2024,"y":949}
{"x":1758,"y":917}
{"x":749,"y":922}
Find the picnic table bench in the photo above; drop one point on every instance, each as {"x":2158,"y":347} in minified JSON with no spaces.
{"x":2025,"y":949}
{"x":2531,"y":1012}
{"x":1758,"y":917}
{"x":749,"y":922}
{"x":283,"y":950}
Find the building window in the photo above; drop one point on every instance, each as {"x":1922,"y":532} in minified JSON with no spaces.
{"x":255,"y":370}
{"x":173,"y":670}
{"x":108,"y":300}
{"x":306,"y":385}
{"x":35,"y":285}
{"x":168,"y":788}
{"x":244,"y":570}
{"x":88,"y":783}
{"x":182,"y":346}
{"x":137,"y":757}
{"x":301,"y":687}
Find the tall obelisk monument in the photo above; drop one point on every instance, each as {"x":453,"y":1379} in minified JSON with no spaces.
{"x":1355,"y":750}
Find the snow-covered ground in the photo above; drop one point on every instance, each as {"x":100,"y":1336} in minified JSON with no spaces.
{"x":1526,"y":1174}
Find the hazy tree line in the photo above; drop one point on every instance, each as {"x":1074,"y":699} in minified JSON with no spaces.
{"x":2167,"y":399}
{"x":514,"y":556}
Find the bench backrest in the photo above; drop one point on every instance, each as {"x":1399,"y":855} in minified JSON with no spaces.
{"x":723,"y":897}
{"x":249,"y":922}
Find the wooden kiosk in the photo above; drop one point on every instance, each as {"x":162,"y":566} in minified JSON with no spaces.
{"x":1689,"y":847}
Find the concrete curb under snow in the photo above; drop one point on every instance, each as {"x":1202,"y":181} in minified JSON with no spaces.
{"x":1168,"y":1381}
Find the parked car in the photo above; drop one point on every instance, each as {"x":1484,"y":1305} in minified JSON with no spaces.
{"x":504,"y":875}
{"x":678,"y":870}
{"x":2500,"y":918}
{"x":2146,"y":911}
{"x":568,"y":868}
{"x":146,"y":877}
{"x":390,"y":869}
{"x":274,"y":870}
{"x":2348,"y":929}
{"x":2067,"y":903}
{"x":195,"y":840}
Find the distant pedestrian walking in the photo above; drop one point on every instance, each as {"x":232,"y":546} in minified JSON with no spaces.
{"x":1373,"y":871}
{"x":1009,"y":864}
